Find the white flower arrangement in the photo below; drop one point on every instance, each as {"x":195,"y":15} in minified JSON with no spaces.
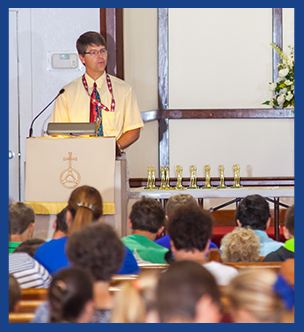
{"x":283,"y":87}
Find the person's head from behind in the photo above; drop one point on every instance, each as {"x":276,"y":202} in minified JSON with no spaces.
{"x":178,"y":200}
{"x":187,"y":293}
{"x":21,"y":221}
{"x":240,"y":245}
{"x":289,"y":223}
{"x":252,"y":298}
{"x":84,"y":207}
{"x":71,"y":296}
{"x":97,"y":249}
{"x":60,"y":226}
{"x":14,"y":293}
{"x":190,"y":229}
{"x":142,"y":307}
{"x":147,"y":215}
{"x":29,"y":246}
{"x":253,"y":211}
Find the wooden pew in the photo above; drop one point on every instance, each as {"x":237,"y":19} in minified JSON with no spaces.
{"x":37,"y":294}
{"x":274,"y":266}
{"x":20,"y":317}
{"x":148,"y":267}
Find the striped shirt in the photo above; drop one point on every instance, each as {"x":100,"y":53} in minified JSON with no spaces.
{"x":28,"y":272}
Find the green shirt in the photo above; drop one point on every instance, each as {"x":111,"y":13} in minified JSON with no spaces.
{"x":146,"y":249}
{"x":12,"y":246}
{"x":289,"y":245}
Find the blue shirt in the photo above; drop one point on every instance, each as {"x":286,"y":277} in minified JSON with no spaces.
{"x":267,"y":244}
{"x":165,"y":242}
{"x":53,"y":257}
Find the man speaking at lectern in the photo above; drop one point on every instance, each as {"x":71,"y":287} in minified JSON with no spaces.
{"x":99,"y":97}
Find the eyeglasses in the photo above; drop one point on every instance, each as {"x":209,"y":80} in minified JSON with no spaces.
{"x":103,"y":51}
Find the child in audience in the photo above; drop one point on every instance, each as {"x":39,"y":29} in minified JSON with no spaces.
{"x":71,"y":297}
{"x":190,"y":230}
{"x":174,"y":201}
{"x":253,"y":211}
{"x":188,"y":293}
{"x":240,"y":245}
{"x":29,"y":246}
{"x":259,"y":296}
{"x":97,"y":250}
{"x":14,"y":291}
{"x":146,"y":220}
{"x":287,"y":250}
{"x":136,"y":301}
{"x":84,"y":207}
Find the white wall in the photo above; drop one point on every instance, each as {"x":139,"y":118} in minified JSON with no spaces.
{"x":225,"y":62}
{"x":140,"y":55}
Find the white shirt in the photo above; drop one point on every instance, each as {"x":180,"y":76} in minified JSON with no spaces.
{"x":74,"y":105}
{"x":221,"y":272}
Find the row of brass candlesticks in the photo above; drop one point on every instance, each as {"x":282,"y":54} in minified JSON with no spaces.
{"x":165,"y":178}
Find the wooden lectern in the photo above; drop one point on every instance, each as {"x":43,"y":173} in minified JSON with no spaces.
{"x":55,"y":166}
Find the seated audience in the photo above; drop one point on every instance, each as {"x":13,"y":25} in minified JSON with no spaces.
{"x":190,"y":230}
{"x":174,"y":201}
{"x":29,"y":246}
{"x":136,"y":301}
{"x":259,"y":296}
{"x":188,"y":293}
{"x":14,"y":292}
{"x":84,"y":207}
{"x":28,"y":272}
{"x":97,"y":250}
{"x":71,"y":297}
{"x":21,"y":224}
{"x":287,"y":250}
{"x":253,"y":211}
{"x":240,"y":245}
{"x":146,"y":220}
{"x":60,"y":226}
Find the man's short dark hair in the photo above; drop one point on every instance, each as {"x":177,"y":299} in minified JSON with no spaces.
{"x":181,"y":287}
{"x":253,"y":211}
{"x":14,"y":292}
{"x":61,"y":224}
{"x":89,"y":38}
{"x":97,"y":249}
{"x":289,"y":219}
{"x":21,"y":216}
{"x":190,"y":227}
{"x":29,"y":246}
{"x":147,"y":215}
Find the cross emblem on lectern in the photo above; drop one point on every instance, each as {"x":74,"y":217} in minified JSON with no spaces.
{"x":70,"y":159}
{"x":70,"y":177}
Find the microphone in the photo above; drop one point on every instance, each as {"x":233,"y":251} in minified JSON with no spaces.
{"x":31,"y":127}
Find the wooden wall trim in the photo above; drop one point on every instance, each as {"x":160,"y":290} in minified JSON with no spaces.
{"x":229,"y":181}
{"x":111,"y":27}
{"x":248,"y":113}
{"x":277,"y":39}
{"x":163,"y":86}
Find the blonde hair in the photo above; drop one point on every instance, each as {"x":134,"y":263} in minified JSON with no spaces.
{"x":136,"y":299}
{"x":240,"y":245}
{"x":252,"y":290}
{"x":85,"y":205}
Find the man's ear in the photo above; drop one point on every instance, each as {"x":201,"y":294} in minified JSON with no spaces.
{"x":160,"y":230}
{"x":238,"y":223}
{"x":31,"y":229}
{"x":54,"y":224}
{"x":130,"y":223}
{"x":206,"y":311}
{"x":82,"y":59}
{"x":287,"y":234}
{"x":69,"y":218}
{"x":268,"y":222}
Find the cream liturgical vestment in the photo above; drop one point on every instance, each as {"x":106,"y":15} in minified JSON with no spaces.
{"x":74,"y":105}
